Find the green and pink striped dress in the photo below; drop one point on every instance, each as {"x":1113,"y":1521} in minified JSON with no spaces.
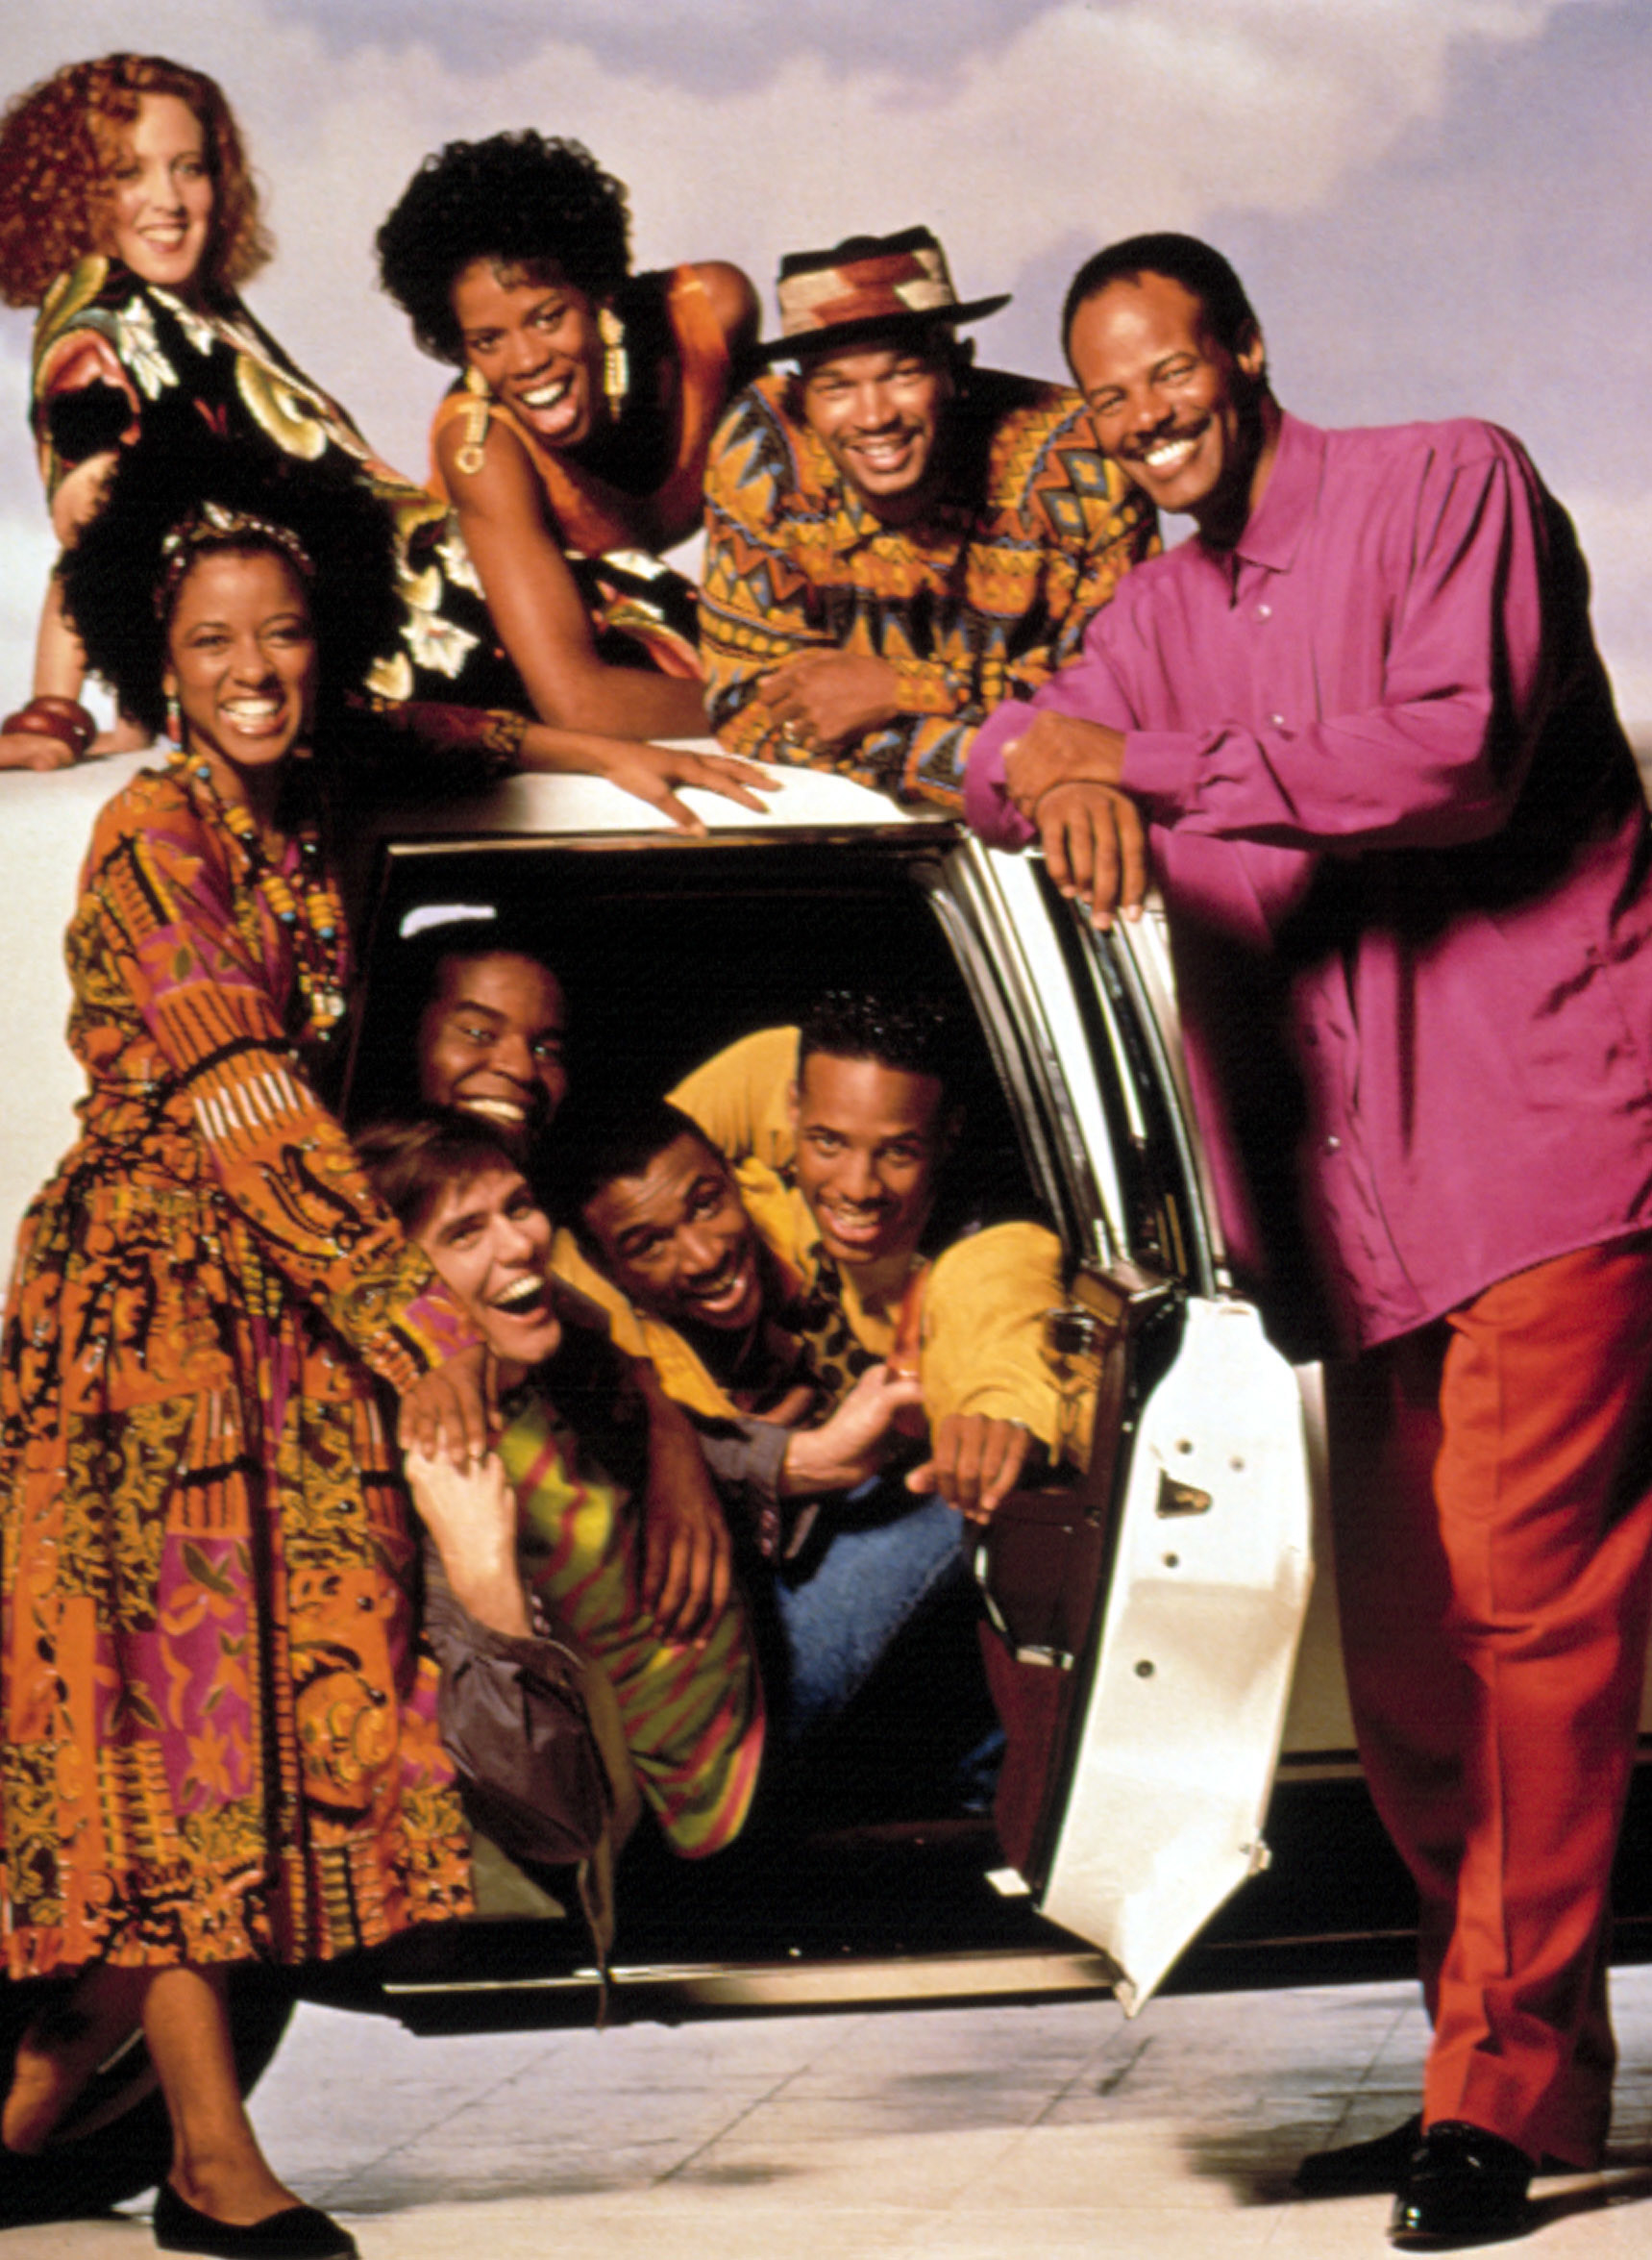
{"x":693,"y":1713}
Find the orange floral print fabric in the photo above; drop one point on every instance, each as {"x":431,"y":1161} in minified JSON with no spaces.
{"x":219,"y":1737}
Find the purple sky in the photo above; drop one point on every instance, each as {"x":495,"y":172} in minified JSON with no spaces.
{"x":1438,"y":204}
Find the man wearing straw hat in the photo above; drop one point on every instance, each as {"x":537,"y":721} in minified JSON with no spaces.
{"x":896,"y":540}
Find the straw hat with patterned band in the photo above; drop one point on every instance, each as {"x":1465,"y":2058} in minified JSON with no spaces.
{"x":867,"y":287}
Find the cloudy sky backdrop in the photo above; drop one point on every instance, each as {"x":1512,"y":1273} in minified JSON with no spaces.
{"x":1441,"y":206}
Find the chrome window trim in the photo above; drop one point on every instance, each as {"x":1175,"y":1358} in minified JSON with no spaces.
{"x":1141,"y":950}
{"x":908,"y":838}
{"x":998,"y":895}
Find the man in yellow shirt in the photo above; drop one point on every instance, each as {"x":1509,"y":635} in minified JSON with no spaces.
{"x":855,"y":1115}
{"x":745,"y":1287}
{"x":837,"y":1135}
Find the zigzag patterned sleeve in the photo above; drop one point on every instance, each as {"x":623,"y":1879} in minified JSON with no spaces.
{"x":791,"y":569}
{"x":1058,"y":511}
{"x":759,"y":604}
{"x":1118,"y":528}
{"x":281,"y":1159}
{"x":753,"y":597}
{"x":921,"y":758}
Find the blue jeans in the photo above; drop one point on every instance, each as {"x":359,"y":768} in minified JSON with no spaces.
{"x":839,"y":1617}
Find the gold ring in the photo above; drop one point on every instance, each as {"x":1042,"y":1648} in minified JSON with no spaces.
{"x":789,"y":733}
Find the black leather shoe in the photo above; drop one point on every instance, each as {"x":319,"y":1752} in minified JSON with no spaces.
{"x":1357,"y":2169}
{"x":298,"y":2232}
{"x":1464,"y":2186}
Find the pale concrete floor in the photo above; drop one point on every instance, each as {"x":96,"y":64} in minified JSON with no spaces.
{"x":965,"y":2135}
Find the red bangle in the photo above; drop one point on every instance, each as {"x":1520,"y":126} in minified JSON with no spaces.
{"x":65,"y":719}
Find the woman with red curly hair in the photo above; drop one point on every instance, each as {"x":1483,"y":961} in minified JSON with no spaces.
{"x":128,"y":214}
{"x":62,"y":147}
{"x":72,"y":176}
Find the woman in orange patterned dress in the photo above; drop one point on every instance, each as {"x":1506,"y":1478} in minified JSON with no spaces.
{"x":218,"y":1738}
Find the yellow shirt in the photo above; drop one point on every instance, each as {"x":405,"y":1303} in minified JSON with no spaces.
{"x":981,"y":1343}
{"x":741,"y":1098}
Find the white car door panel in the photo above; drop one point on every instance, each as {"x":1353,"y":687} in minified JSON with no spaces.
{"x":1210,"y":1577}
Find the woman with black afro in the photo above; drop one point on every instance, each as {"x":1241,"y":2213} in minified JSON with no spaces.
{"x":574,"y":447}
{"x":217,"y":1741}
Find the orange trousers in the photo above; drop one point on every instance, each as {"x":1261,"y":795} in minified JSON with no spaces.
{"x":1492,"y":1486}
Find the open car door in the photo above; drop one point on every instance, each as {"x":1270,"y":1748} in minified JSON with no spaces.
{"x":1147,"y":1605}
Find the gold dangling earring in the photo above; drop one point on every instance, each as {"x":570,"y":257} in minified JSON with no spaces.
{"x":616,"y":368}
{"x":174,"y":719}
{"x":468,"y":455}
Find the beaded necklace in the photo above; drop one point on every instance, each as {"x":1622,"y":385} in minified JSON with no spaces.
{"x":307,"y":906}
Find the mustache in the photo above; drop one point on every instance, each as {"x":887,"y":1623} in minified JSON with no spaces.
{"x":1136,"y":449}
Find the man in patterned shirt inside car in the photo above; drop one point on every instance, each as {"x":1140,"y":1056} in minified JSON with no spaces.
{"x":897,"y":542}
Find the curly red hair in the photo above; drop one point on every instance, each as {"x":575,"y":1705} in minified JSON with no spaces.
{"x":59,"y":143}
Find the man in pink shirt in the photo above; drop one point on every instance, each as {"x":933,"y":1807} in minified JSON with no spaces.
{"x":1358,"y":729}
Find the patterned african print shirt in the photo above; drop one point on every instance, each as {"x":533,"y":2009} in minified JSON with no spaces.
{"x":981,"y":602}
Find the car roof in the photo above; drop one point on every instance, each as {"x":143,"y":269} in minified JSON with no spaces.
{"x":551,"y":807}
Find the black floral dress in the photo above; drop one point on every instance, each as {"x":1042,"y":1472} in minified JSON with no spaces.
{"x":115,"y":356}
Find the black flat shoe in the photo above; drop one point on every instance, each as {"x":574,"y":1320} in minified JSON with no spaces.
{"x":1464,"y":2186}
{"x":1357,"y":2169}
{"x":298,"y":2232}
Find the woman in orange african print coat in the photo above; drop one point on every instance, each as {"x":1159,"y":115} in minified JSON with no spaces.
{"x":219,"y":1740}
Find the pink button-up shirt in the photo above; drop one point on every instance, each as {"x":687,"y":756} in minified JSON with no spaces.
{"x":1405,"y":855}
